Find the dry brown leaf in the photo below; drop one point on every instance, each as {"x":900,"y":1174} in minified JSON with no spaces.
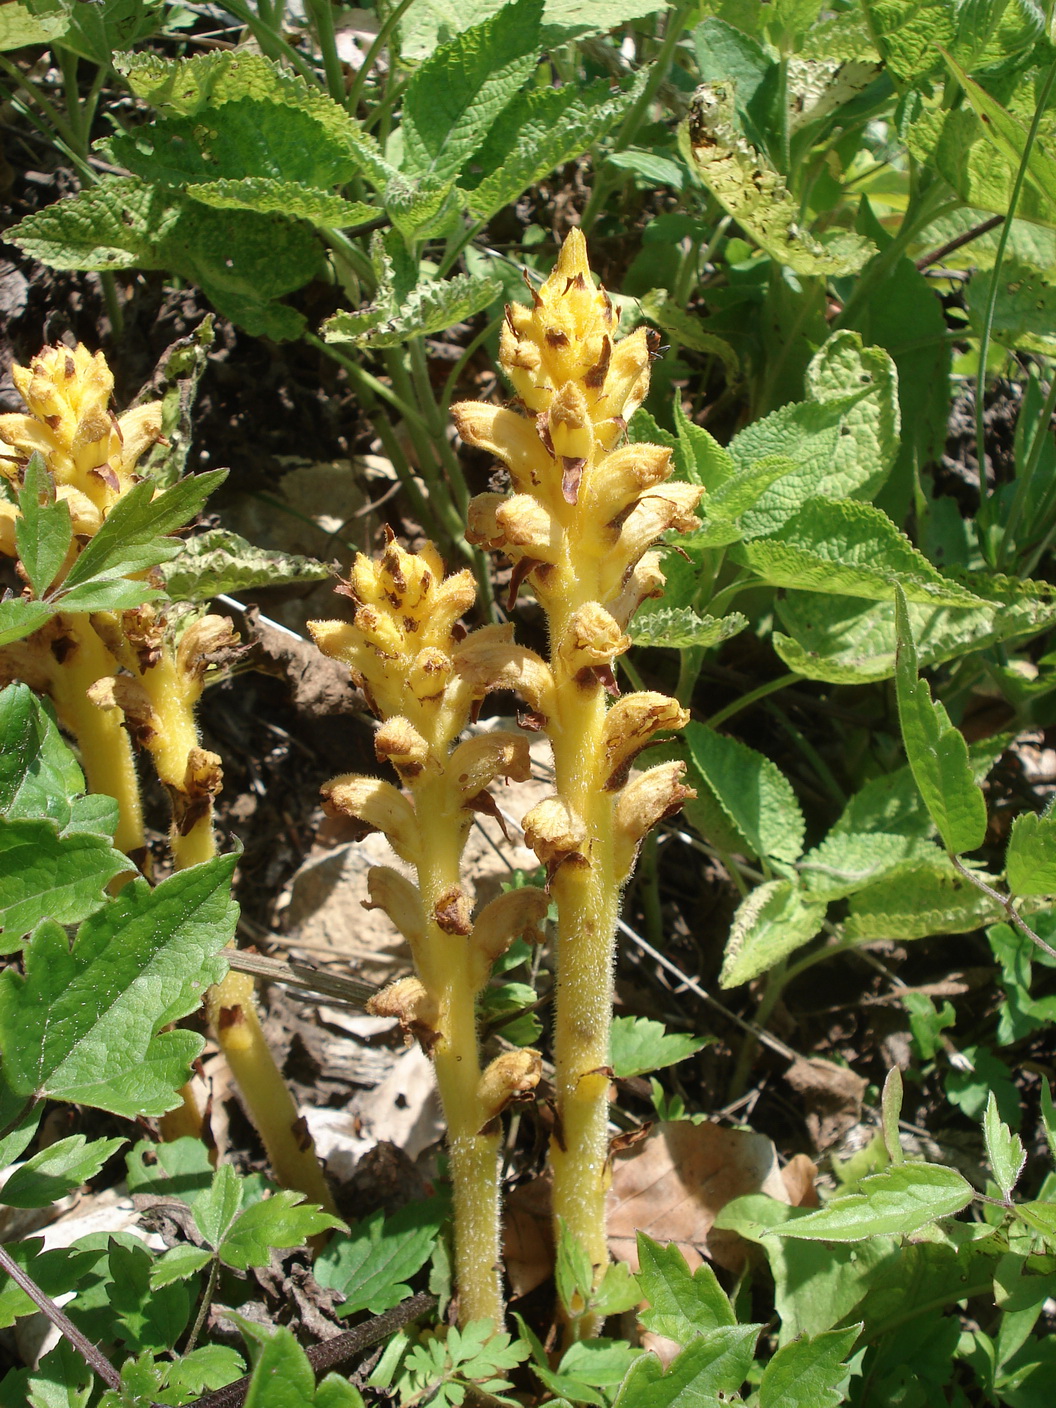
{"x":673,"y":1185}
{"x":528,"y":1236}
{"x":832,"y":1097}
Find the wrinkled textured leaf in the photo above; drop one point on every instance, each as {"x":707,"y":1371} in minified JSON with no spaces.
{"x":638,"y":1044}
{"x":272,"y":197}
{"x":869,"y":430}
{"x":771,"y":923}
{"x":1004,"y":1149}
{"x":847,"y":861}
{"x":218,"y":562}
{"x":1030,"y":861}
{"x":679,"y":627}
{"x":455,"y":96}
{"x":427,"y":308}
{"x":425,"y":22}
{"x":918,"y":903}
{"x":937,"y":752}
{"x":85,"y":1024}
{"x":751,"y":790}
{"x":907,"y":31}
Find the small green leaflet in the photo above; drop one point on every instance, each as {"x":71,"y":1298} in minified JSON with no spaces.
{"x":283,"y":1220}
{"x":895,"y":1203}
{"x":772,"y":922}
{"x":59,"y":1169}
{"x":589,"y":1371}
{"x":85,"y":1024}
{"x":682,"y":1303}
{"x":283,"y":1377}
{"x":371,"y":1264}
{"x":809,"y":1372}
{"x":937,"y":752}
{"x":1030,"y":861}
{"x":638,"y":1045}
{"x":144,"y":1379}
{"x":19,"y":618}
{"x":1004,"y":1149}
{"x":43,"y":532}
{"x":714,"y":1363}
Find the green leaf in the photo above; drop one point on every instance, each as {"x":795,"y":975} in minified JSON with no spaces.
{"x":59,"y":1169}
{"x":19,"y":618}
{"x":735,"y":497}
{"x":680,"y":627}
{"x":907,"y":32}
{"x":807,"y":434}
{"x":53,"y":1271}
{"x":454,"y":97}
{"x":283,"y":1220}
{"x":180,"y":1169}
{"x":133,"y":537}
{"x":869,"y":430}
{"x":682,"y":1303}
{"x":918,"y":903}
{"x":22,"y":25}
{"x":538,"y":132}
{"x":38,"y":772}
{"x":1030,"y":861}
{"x":178,"y":1263}
{"x":709,"y":1372}
{"x":809,"y":1373}
{"x":754,"y":193}
{"x":1009,"y":138}
{"x":845,"y":548}
{"x":847,"y":861}
{"x":427,"y":21}
{"x":43,"y":532}
{"x":146,"y":1318}
{"x":1024,"y":312}
{"x":218,"y":562}
{"x":1048,"y":1116}
{"x":427,"y":308}
{"x":587,"y":1369}
{"x":774,"y":920}
{"x":638,"y":1045}
{"x":217,"y":1207}
{"x":894,"y":1203}
{"x":242,"y":260}
{"x":85,"y":1024}
{"x":371,"y":1264}
{"x":573,"y":1272}
{"x":661,"y":309}
{"x":751,"y":791}
{"x":43,"y":875}
{"x":937,"y":752}
{"x":1004,"y":1149}
{"x":270,"y":196}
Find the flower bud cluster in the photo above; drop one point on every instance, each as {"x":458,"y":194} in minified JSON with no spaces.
{"x":421,"y":675}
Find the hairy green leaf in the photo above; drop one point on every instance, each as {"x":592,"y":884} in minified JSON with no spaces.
{"x":455,"y":96}
{"x":43,"y":875}
{"x":847,"y":861}
{"x":85,"y":1024}
{"x":774,"y":920}
{"x":937,"y":752}
{"x":268,"y":196}
{"x":57,"y":1170}
{"x":661,"y":309}
{"x":638,"y":1045}
{"x":22,"y":25}
{"x":429,"y":307}
{"x":679,"y":627}
{"x":907,"y":31}
{"x":751,"y":790}
{"x":869,"y":429}
{"x":178,"y":1264}
{"x":895,"y":1203}
{"x":1004,"y":1149}
{"x":918,"y":903}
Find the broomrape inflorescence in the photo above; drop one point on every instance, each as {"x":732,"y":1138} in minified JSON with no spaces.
{"x":122,"y":680}
{"x":583,"y":512}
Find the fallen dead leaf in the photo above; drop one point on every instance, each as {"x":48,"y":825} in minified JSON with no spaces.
{"x":832,"y":1097}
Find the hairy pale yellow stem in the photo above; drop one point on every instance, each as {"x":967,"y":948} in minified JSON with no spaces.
{"x":587,"y":893}
{"x":105,"y":747}
{"x":233,"y":1014}
{"x":444,"y":966}
{"x":174,"y":696}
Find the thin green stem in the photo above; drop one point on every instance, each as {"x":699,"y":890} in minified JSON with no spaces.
{"x":355,"y":92}
{"x":322,"y":15}
{"x":59,"y":125}
{"x":1007,"y":904}
{"x":1026,"y":477}
{"x":991,"y":303}
{"x":356,"y":257}
{"x":203,"y":1307}
{"x":753,"y":697}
